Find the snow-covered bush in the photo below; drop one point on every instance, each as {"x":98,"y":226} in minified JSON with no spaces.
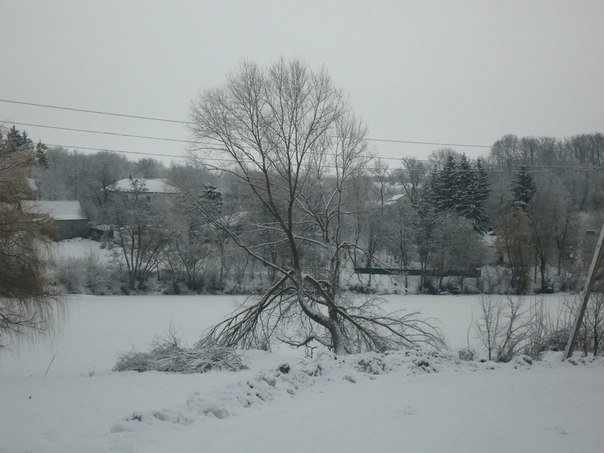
{"x":169,"y":356}
{"x":494,"y":280}
{"x":87,"y":275}
{"x":70,"y":275}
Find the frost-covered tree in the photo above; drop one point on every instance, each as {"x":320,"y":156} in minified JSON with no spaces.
{"x":292,"y":142}
{"x":444,"y":190}
{"x":139,"y":231}
{"x":457,"y":248}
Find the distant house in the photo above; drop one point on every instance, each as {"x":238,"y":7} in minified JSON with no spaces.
{"x":67,"y":216}
{"x":153,"y":189}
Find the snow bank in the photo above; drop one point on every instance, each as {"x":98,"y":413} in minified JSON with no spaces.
{"x":288,"y":380}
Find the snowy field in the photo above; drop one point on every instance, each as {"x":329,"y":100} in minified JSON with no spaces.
{"x":407,"y":402}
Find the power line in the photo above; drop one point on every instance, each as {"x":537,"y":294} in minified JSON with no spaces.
{"x":209,"y":148}
{"x":147,"y":137}
{"x":411,"y":142}
{"x":91,"y":131}
{"x":142,"y":153}
{"x":96,"y":112}
{"x":168,"y":120}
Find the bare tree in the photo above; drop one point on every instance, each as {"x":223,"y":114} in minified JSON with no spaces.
{"x":504,"y":326}
{"x":413,"y":177}
{"x":457,"y":248}
{"x":292,"y":142}
{"x":139,"y":235}
{"x":591,"y":330}
{"x":514,"y":243}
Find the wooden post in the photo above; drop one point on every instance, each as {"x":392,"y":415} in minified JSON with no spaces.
{"x":591,"y":277}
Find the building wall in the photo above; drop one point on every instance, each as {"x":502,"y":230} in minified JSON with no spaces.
{"x":69,"y":229}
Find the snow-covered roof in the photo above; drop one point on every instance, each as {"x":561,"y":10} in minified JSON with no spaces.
{"x":394,"y":198}
{"x":146,"y":185}
{"x":56,"y":210}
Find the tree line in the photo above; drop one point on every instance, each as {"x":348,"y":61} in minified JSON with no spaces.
{"x":436,"y":216}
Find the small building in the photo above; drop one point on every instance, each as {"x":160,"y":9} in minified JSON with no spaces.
{"x":153,"y":189}
{"x":67,"y":216}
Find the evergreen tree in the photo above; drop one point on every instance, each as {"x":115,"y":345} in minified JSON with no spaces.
{"x":460,"y":188}
{"x":214,"y":197}
{"x":443,"y":188}
{"x":16,"y":141}
{"x":523,"y":188}
{"x":478,"y":193}
{"x":41,"y":155}
{"x":464,"y":181}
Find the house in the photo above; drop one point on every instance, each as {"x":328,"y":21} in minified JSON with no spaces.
{"x":153,"y":189}
{"x":67,"y":216}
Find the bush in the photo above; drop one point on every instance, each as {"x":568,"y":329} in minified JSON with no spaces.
{"x":591,"y":331}
{"x":169,"y":356}
{"x":504,"y":326}
{"x":86,"y":275}
{"x":69,"y":273}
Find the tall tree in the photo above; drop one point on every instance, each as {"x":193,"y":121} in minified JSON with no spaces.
{"x":478,"y":192}
{"x":27,"y":304}
{"x":292,"y":142}
{"x":514,"y":242}
{"x":523,"y":188}
{"x":140,"y":236}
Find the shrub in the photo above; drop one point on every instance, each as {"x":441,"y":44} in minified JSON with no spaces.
{"x":504,"y":326}
{"x":85,"y":275}
{"x":169,"y":356}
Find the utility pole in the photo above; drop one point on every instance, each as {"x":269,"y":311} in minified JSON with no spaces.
{"x":591,"y":277}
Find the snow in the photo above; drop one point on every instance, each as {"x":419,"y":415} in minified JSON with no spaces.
{"x":147,"y":185}
{"x":78,"y":248}
{"x":395,"y":198}
{"x":57,"y":210}
{"x":404,"y":401}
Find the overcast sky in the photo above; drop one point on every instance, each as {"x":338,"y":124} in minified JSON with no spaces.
{"x":436,"y":71}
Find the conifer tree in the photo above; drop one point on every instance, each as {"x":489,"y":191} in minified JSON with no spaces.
{"x":523,"y":188}
{"x":478,"y":193}
{"x":460,"y":188}
{"x":443,"y":188}
{"x":464,"y":182}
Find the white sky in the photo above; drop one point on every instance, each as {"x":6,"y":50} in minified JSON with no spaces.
{"x":438,"y":71}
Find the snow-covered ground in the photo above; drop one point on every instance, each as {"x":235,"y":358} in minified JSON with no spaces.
{"x":411,"y":401}
{"x":78,"y":248}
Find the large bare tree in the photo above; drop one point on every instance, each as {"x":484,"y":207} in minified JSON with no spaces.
{"x":287,"y":135}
